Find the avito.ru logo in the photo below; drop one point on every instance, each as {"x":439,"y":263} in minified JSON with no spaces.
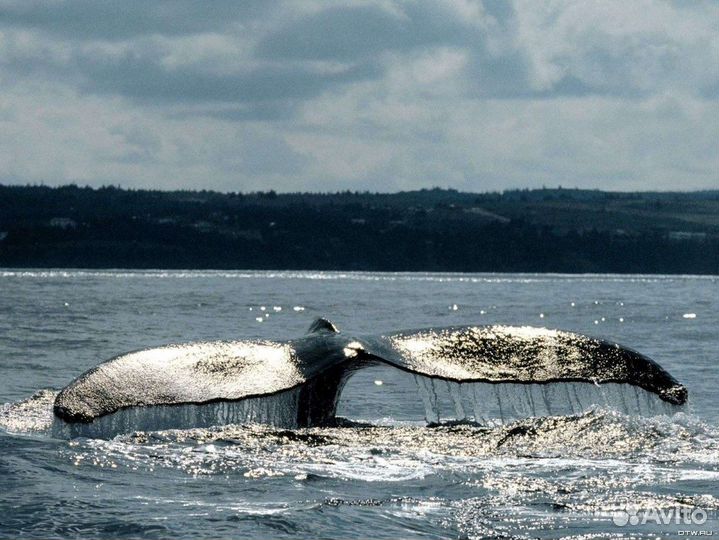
{"x":678,"y":515}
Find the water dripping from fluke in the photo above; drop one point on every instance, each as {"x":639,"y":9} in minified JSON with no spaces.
{"x":500,"y":403}
{"x":445,"y":403}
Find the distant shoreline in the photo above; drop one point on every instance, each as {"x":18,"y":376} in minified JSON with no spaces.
{"x":525,"y":231}
{"x":297,"y":272}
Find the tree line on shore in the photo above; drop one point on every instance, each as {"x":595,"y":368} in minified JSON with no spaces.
{"x":548,"y":230}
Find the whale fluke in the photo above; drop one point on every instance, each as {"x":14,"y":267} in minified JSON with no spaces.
{"x":510,"y":354}
{"x":307,"y":374}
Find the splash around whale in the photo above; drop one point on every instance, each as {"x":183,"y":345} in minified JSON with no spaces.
{"x":297,"y":383}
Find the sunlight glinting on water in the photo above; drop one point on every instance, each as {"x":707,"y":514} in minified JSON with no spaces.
{"x":441,"y":277}
{"x":519,"y":461}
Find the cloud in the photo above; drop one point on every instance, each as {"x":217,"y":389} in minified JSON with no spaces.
{"x":361,"y":95}
{"x":146,"y":80}
{"x":264,"y":155}
{"x":363,"y":31}
{"x":108,"y":20}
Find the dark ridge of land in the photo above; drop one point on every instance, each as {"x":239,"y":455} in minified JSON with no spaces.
{"x":544,"y":230}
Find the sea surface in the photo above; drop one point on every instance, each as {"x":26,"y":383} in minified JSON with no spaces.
{"x":387,"y":475}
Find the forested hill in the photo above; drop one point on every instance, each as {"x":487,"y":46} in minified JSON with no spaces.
{"x":547,"y":230}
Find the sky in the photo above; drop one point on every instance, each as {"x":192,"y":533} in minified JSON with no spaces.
{"x":360,"y":95}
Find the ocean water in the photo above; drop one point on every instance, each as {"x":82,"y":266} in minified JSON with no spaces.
{"x":387,"y":474}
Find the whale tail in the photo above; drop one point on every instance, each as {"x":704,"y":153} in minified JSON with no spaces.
{"x":298,"y":382}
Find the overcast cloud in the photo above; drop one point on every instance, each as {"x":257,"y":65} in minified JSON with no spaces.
{"x":376,"y":95}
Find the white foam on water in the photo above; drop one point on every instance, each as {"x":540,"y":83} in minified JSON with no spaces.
{"x":33,"y":414}
{"x":368,"y":468}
